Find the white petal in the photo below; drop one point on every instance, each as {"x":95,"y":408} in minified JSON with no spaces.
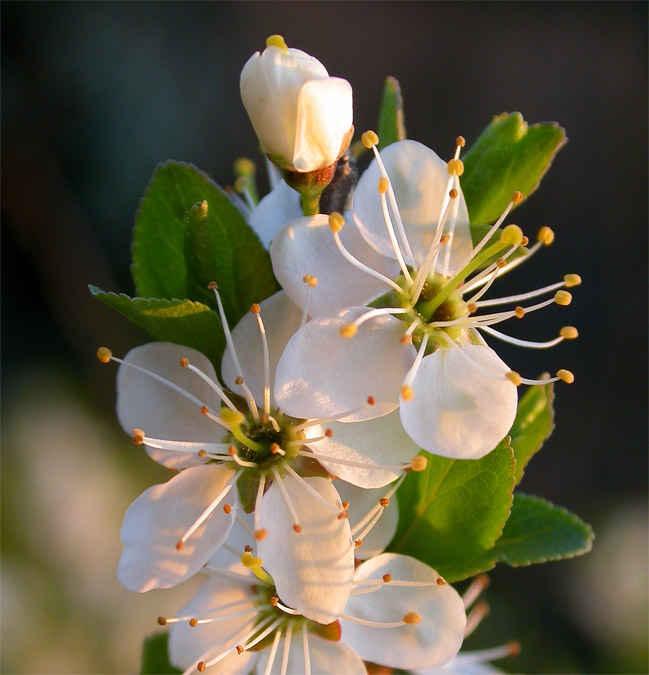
{"x":312,"y":569}
{"x":419,"y":179}
{"x":322,"y":373}
{"x":462,"y":666}
{"x":463,"y":403}
{"x":281,"y":320}
{"x":433,"y":641}
{"x":277,"y":208}
{"x":360,"y":503}
{"x":325,"y":657}
{"x":377,"y":442}
{"x":307,"y":246}
{"x":324,"y":118}
{"x":145,"y":403}
{"x":160,"y":516}
{"x":188,"y":645}
{"x":270,"y":86}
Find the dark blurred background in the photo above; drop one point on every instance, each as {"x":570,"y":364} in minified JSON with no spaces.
{"x":94,"y":95}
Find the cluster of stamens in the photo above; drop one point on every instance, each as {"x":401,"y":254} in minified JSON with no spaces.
{"x":441,"y":308}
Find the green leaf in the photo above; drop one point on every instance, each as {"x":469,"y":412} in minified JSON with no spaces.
{"x":509,"y":155}
{"x":155,"y":656}
{"x":179,"y":246}
{"x":184,"y":322}
{"x":538,"y":531}
{"x":453,"y":512}
{"x":391,"y":126}
{"x":533,"y":425}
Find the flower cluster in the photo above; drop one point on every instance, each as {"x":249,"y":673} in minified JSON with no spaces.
{"x":286,"y":463}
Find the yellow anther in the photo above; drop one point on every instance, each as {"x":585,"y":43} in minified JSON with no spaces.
{"x":514,"y":377}
{"x":369,"y":138}
{"x":563,"y":298}
{"x":138,"y":436}
{"x":297,"y":528}
{"x":455,"y":167}
{"x":336,"y":221}
{"x":193,"y":623}
{"x":512,"y":235}
{"x":104,"y":354}
{"x":418,"y":463}
{"x":411,"y":618}
{"x":545,"y":235}
{"x":514,"y":648}
{"x":453,"y":193}
{"x":472,"y":308}
{"x":384,"y":183}
{"x":525,"y":241}
{"x":274,"y":600}
{"x":202,"y":454}
{"x":244,"y":167}
{"x":313,"y":282}
{"x":306,"y":278}
{"x":162,"y":621}
{"x":239,"y":380}
{"x":406,"y":339}
{"x":227,"y":509}
{"x":384,"y":502}
{"x":212,"y":285}
{"x":248,"y":560}
{"x":444,"y":239}
{"x":274,"y":448}
{"x":328,"y":433}
{"x":240,"y":184}
{"x":240,"y":649}
{"x":255,"y":308}
{"x":349,"y":330}
{"x":358,"y":543}
{"x":407,"y":393}
{"x":204,"y":209}
{"x":346,"y":506}
{"x":370,"y":400}
{"x":500,"y":263}
{"x":204,"y":410}
{"x":569,"y":333}
{"x":440,"y":581}
{"x":566,"y":376}
{"x":232,"y":417}
{"x":232,"y":451}
{"x":184,"y":362}
{"x":572,"y":280}
{"x":519,"y":312}
{"x":261,"y":534}
{"x":180,"y":545}
{"x":277,"y":41}
{"x":459,"y":141}
{"x":200,"y":666}
{"x":517,"y":197}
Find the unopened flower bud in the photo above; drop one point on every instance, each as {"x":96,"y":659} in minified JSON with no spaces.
{"x":303,"y":117}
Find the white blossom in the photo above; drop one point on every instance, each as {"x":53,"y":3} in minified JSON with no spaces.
{"x":419,"y":346}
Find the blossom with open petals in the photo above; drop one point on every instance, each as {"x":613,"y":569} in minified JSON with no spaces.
{"x":302,"y":117}
{"x":400,"y":614}
{"x":418,"y":346}
{"x":258,"y":460}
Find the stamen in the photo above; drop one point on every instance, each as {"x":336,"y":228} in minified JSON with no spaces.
{"x":213,"y":385}
{"x":305,"y":649}
{"x":287,"y":610}
{"x":523,"y":343}
{"x":350,"y":329}
{"x":377,"y":507}
{"x":566,"y":376}
{"x":545,"y":236}
{"x":260,"y":533}
{"x":311,"y":282}
{"x":214,"y":619}
{"x":207,"y":512}
{"x":297,"y":528}
{"x":475,"y":617}
{"x":473,"y":591}
{"x":408,"y":618}
{"x":407,"y":392}
{"x":104,"y":354}
{"x":233,"y":353}
{"x":362,"y":267}
{"x":563,"y":298}
{"x":256,"y":310}
{"x":520,"y":297}
{"x":384,"y":185}
{"x":349,"y":462}
{"x":562,"y":374}
{"x":572,"y":280}
{"x":287,"y":648}
{"x":569,"y":333}
{"x":273,"y":652}
{"x":166,"y":383}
